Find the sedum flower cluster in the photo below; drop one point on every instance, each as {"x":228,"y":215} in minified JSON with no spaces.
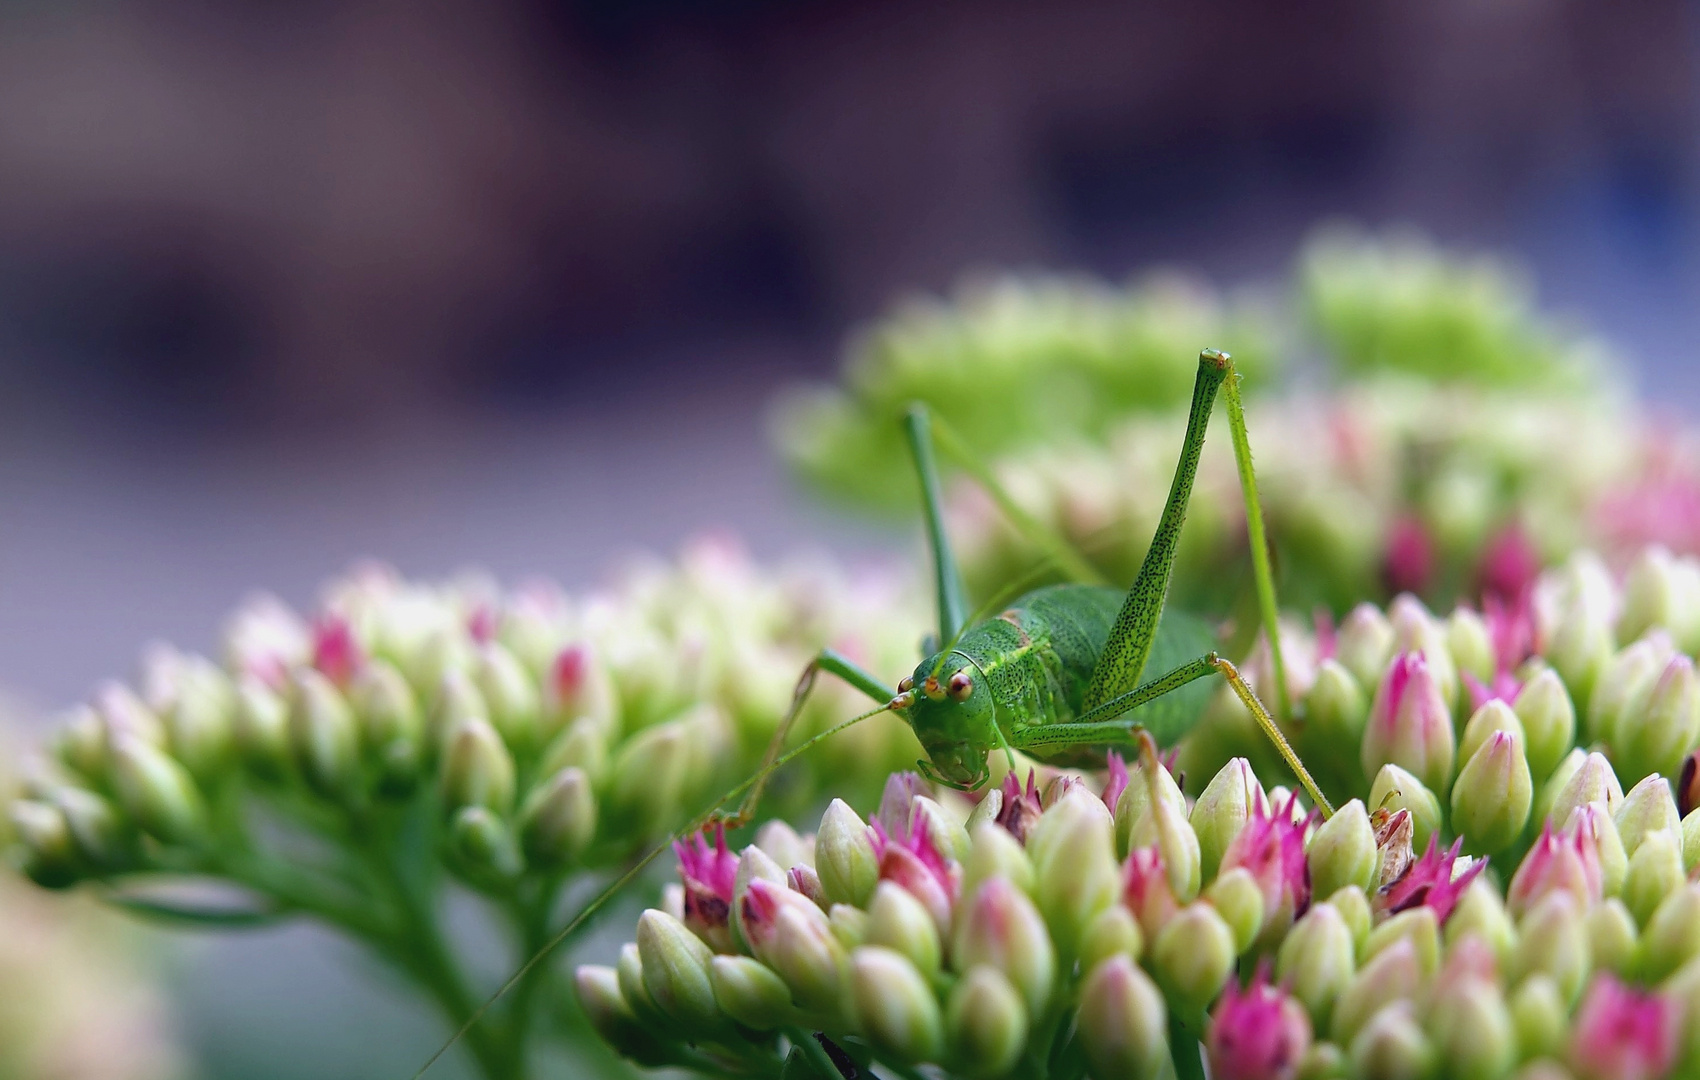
{"x":350,"y":765}
{"x":1510,"y":888}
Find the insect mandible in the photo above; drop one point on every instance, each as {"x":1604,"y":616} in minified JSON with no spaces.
{"x":1055,"y":674}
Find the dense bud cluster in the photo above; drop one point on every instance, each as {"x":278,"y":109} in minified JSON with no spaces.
{"x":339,"y":764}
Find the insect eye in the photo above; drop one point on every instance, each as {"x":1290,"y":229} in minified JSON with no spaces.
{"x":906,"y":685}
{"x":960,"y":686}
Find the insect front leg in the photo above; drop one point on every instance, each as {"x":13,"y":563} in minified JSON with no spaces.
{"x":832,"y":663}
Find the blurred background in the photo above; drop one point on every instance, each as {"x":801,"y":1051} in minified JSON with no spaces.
{"x":511,"y":284}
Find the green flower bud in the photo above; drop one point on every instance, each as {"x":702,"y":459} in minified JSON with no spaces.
{"x":1554,"y":942}
{"x":1165,"y":827}
{"x":477,"y":768}
{"x":1123,"y":1024}
{"x":1075,"y":871}
{"x":1481,"y":913}
{"x":1115,"y":932}
{"x":1655,"y":871}
{"x":1660,"y":591}
{"x":629,"y":970}
{"x":1354,"y":907}
{"x":1395,"y":789}
{"x":1221,"y":812}
{"x":1473,"y":1031}
{"x":894,"y":1007}
{"x":1193,"y":957}
{"x":675,"y":971}
{"x":1492,"y":796}
{"x":1323,"y":1061}
{"x":1364,"y":643}
{"x":1611,"y":935}
{"x":901,"y":923}
{"x":158,"y":792}
{"x":457,"y":698}
{"x":1336,"y":709}
{"x":1315,"y":961}
{"x":1539,"y":1018}
{"x":1417,"y":925}
{"x":1548,"y":717}
{"x":786,"y":846}
{"x":200,"y":720}
{"x":510,"y":692}
{"x":1623,"y":689}
{"x":79,"y":742}
{"x":1000,"y":926}
{"x":1416,"y":630}
{"x":1133,"y":808}
{"x":125,"y":714}
{"x":1393,"y":974}
{"x":985,"y":811}
{"x":391,"y":725}
{"x":1565,"y":771}
{"x":558,"y":819}
{"x":789,"y":934}
{"x":1672,"y":936}
{"x":849,"y":924}
{"x":577,"y":686}
{"x":1591,"y":822}
{"x":1468,"y":641}
{"x":985,"y":1024}
{"x":754,"y":864}
{"x":1578,"y":643}
{"x":484,"y":846}
{"x":609,"y":1015}
{"x":749,"y":993}
{"x":1391,"y":1045}
{"x":1493,"y":716}
{"x":1657,"y":738}
{"x":1691,"y":841}
{"x":1648,"y":808}
{"x":1410,"y":722}
{"x":844,"y":856}
{"x":1682,"y":990}
{"x":324,"y":736}
{"x":1238,"y":898}
{"x":1342,"y":851}
{"x":949,"y":838}
{"x":993,"y":852}
{"x":656,"y":771}
{"x":262,"y":728}
{"x":102,"y":836}
{"x":1593,"y":782}
{"x":49,"y":850}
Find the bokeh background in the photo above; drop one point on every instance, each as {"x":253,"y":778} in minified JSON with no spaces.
{"x":511,"y":284}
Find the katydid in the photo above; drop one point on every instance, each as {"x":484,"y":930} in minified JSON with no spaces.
{"x":1055,"y":674}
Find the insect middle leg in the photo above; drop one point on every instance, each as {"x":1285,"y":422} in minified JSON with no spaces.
{"x":832,"y":663}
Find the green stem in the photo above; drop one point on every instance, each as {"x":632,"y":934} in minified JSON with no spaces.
{"x":1184,"y":1048}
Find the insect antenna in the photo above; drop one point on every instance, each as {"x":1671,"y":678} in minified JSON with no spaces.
{"x":601,"y":899}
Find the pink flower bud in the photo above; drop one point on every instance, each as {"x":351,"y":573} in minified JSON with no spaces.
{"x":1622,"y":1034}
{"x":1272,"y":848}
{"x":913,"y":860}
{"x":1557,"y":863}
{"x":1117,"y":781}
{"x":336,"y":651}
{"x":1021,"y":805}
{"x":708,"y":874}
{"x":1257,"y":1034}
{"x":1506,"y":572}
{"x":1407,"y":564}
{"x":1410,"y":724}
{"x":1146,"y":890}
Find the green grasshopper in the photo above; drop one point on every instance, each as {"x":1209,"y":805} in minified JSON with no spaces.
{"x":1056,"y":674}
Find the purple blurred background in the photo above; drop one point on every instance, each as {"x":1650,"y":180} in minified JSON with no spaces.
{"x":509,"y":284}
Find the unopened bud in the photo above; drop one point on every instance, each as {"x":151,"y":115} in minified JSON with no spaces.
{"x":579,"y":685}
{"x":582,"y":745}
{"x":1342,"y":851}
{"x":1315,"y":961}
{"x":1539,"y":1018}
{"x":1593,"y":782}
{"x":80,"y":742}
{"x":157,"y":791}
{"x":484,"y":846}
{"x":894,"y":1007}
{"x":49,"y":851}
{"x":1471,"y":648}
{"x":1392,"y":1044}
{"x":1364,"y":643}
{"x":1473,"y":1032}
{"x":649,"y":777}
{"x":1336,"y":710}
{"x":1115,"y":932}
{"x":750,"y":993}
{"x":1622,"y":1033}
{"x":1624,"y":687}
{"x":1655,"y":871}
{"x":1611,"y":936}
{"x":511,"y":695}
{"x":1323,"y":1061}
{"x":1192,"y":957}
{"x":606,"y":1008}
{"x":994,"y":852}
{"x":1075,"y":871}
{"x":1001,"y":927}
{"x":1492,"y":796}
{"x":1656,"y":738}
{"x":1553,"y":941}
{"x":789,"y":934}
{"x":324,"y":735}
{"x":849,"y":925}
{"x":1417,"y":926}
{"x":844,"y":856}
{"x":630,"y":973}
{"x":1133,"y":809}
{"x":1493,"y":716}
{"x":1578,"y":632}
{"x":558,"y":818}
{"x":1221,"y":811}
{"x":262,"y":728}
{"x":1481,"y":913}
{"x":1391,"y":975}
{"x":785,"y":845}
{"x":675,"y":971}
{"x":901,"y":923}
{"x":1599,"y":845}
{"x":1672,"y":936}
{"x":753,"y":865}
{"x":1410,"y":723}
{"x":200,"y":720}
{"x":477,"y":768}
{"x":1548,"y":791}
{"x":1548,"y":717}
{"x":1256,"y":1034}
{"x":985,"y":1023}
{"x":1660,"y":591}
{"x":1395,"y":789}
{"x":1238,"y":898}
{"x":1647,"y":809}
{"x":391,"y":723}
{"x":1123,"y":1023}
{"x":103,"y":838}
{"x":928,"y":818}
